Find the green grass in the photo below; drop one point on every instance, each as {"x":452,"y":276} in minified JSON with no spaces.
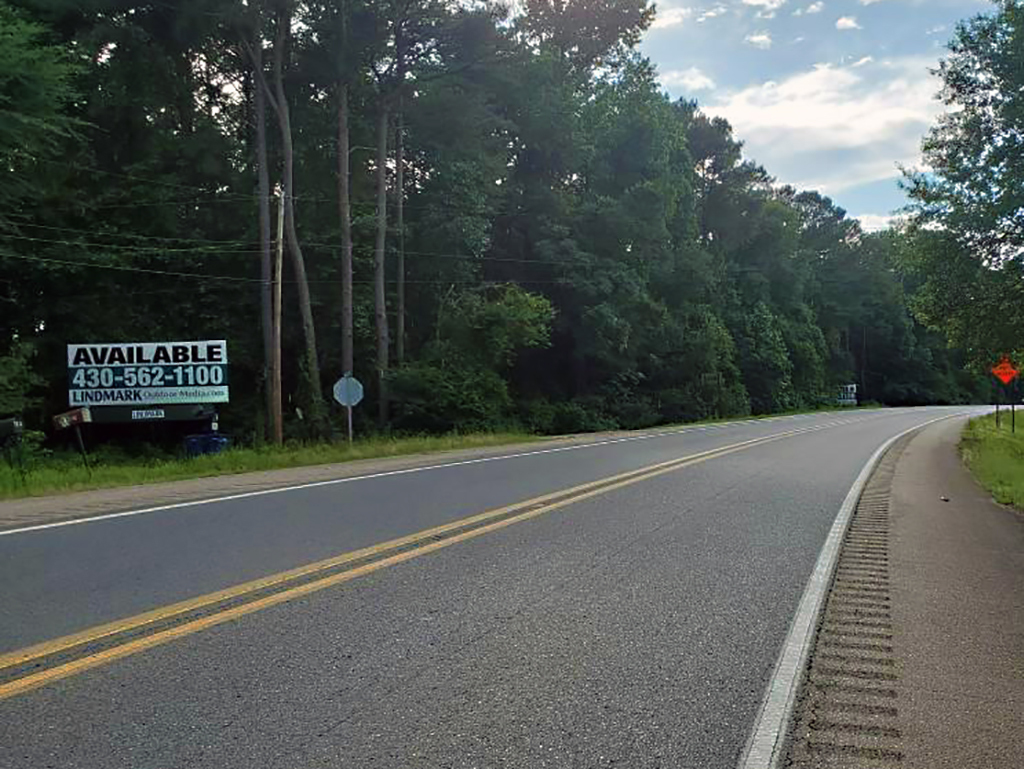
{"x":66,"y":473}
{"x":996,"y":457}
{"x":110,"y":469}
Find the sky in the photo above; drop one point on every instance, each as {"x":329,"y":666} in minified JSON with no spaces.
{"x":829,"y":95}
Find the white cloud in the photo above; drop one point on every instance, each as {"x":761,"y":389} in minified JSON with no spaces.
{"x":768,"y":8}
{"x":671,"y":17}
{"x":869,"y":2}
{"x":711,"y":13}
{"x":817,"y":7}
{"x":875,"y":222}
{"x":761,"y":40}
{"x":936,"y":30}
{"x":863,"y":62}
{"x":692,"y":79}
{"x":848,"y":22}
{"x":833,"y":128}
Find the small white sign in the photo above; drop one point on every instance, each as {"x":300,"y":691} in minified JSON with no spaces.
{"x":148,"y":414}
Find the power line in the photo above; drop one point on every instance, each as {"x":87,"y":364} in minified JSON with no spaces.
{"x":211,"y":249}
{"x":242,"y":279}
{"x":127,"y":234}
{"x":224,"y":196}
{"x":118,"y":292}
{"x":172,"y":185}
{"x":365,"y":205}
{"x":125,"y":268}
{"x":132,"y":249}
{"x":139,"y":204}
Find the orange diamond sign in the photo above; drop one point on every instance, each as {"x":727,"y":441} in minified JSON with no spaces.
{"x":1005,"y":371}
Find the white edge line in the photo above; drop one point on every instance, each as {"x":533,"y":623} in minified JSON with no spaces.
{"x":764,"y":749}
{"x":389,"y":473}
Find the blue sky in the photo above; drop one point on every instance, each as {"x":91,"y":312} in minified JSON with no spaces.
{"x":825,"y":94}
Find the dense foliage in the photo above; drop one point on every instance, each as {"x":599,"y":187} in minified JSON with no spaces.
{"x":967,"y":244}
{"x":577,"y":251}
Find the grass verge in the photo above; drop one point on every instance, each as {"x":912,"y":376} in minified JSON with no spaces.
{"x":66,"y":473}
{"x":996,"y":457}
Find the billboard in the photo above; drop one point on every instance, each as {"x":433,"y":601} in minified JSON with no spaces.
{"x":148,"y":373}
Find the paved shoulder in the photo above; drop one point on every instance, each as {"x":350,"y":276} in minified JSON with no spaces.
{"x":959,"y":597}
{"x":918,"y":660}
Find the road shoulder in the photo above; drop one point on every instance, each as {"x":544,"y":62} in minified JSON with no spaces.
{"x":959,"y":599}
{"x":918,"y":660}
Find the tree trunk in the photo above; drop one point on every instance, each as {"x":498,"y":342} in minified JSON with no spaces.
{"x":864,"y":362}
{"x":271,"y":386}
{"x":400,"y":225}
{"x":379,"y":296}
{"x":400,"y":188}
{"x":344,"y":182}
{"x":294,"y":250}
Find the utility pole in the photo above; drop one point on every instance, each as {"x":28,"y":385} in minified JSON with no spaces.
{"x":277,"y":416}
{"x":266,"y":262}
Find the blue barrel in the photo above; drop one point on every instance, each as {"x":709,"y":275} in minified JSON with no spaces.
{"x":205,"y":443}
{"x":216,"y":443}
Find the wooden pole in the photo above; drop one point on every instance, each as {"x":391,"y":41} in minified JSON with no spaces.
{"x":266,"y":261}
{"x":275,"y":359}
{"x":81,"y":448}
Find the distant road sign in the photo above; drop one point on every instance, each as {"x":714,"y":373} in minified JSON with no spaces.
{"x":1005,"y":371}
{"x":847,"y":395}
{"x":348,"y":391}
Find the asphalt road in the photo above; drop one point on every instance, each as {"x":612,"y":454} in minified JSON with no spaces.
{"x":635,"y":628}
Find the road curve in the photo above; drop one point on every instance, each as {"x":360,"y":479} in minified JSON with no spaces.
{"x":635,"y":624}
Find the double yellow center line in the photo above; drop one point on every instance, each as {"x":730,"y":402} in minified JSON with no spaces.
{"x":35,"y":666}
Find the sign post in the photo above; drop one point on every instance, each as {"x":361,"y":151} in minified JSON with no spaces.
{"x":75,"y":419}
{"x":1006,"y":372}
{"x":348,"y":391}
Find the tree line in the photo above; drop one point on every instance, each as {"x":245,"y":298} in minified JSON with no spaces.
{"x":492,"y":218}
{"x":963,"y":245}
